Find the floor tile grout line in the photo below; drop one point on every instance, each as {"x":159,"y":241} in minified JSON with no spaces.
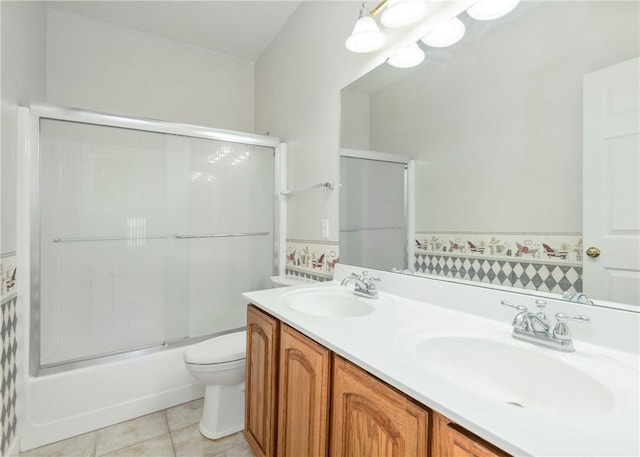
{"x":173,"y":446}
{"x":137,"y":442}
{"x":95,"y":444}
{"x":96,"y":432}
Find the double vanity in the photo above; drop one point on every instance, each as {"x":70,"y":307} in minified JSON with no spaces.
{"x":430,"y":367}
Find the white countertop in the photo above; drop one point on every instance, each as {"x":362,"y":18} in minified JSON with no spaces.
{"x":384,"y":343}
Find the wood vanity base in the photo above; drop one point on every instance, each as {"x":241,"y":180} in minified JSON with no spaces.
{"x":302,"y":400}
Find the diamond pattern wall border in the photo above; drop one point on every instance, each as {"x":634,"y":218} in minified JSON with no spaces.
{"x":8,"y":420}
{"x":525,"y":274}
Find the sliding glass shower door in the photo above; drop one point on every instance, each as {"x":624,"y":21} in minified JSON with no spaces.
{"x":373,"y":221}
{"x":146,"y":238}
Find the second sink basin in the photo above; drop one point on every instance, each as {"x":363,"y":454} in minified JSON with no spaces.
{"x":515,"y":376}
{"x":333,"y":302}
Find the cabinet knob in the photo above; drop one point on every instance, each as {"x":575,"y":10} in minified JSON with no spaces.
{"x":593,"y":252}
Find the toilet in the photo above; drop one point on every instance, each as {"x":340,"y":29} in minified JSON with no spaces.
{"x":220,"y":363}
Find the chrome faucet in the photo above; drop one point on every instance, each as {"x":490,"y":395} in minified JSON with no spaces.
{"x":578,"y":297}
{"x":535,"y":327}
{"x":364,"y":285}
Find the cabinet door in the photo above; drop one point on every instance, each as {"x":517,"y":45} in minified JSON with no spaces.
{"x":303,"y":395}
{"x":451,"y":440}
{"x":261,"y":382}
{"x":370,"y":418}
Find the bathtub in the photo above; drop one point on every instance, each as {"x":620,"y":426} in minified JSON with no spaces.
{"x":57,"y":406}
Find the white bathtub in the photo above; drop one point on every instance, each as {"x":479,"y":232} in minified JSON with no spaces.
{"x":57,"y":406}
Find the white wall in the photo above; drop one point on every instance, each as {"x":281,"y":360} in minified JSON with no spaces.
{"x":103,"y":67}
{"x":298,"y":83}
{"x":497,"y":127}
{"x":354,"y":126}
{"x":23,"y":81}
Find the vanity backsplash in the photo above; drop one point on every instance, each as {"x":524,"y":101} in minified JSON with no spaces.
{"x":545,"y":263}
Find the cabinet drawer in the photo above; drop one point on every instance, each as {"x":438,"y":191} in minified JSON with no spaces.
{"x":451,"y":440}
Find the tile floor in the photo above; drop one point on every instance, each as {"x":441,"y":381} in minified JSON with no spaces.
{"x":169,"y":433}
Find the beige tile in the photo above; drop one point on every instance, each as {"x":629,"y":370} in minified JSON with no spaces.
{"x":186,"y":414}
{"x":131,"y":432}
{"x":189,"y":442}
{"x":160,"y":446}
{"x":240,"y":451}
{"x":78,"y":446}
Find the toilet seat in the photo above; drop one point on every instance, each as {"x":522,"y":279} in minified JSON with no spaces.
{"x":221,"y":349}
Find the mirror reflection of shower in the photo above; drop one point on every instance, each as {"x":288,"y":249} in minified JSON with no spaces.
{"x":373,"y":209}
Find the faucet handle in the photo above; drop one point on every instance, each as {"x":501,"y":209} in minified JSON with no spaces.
{"x":582,"y":318}
{"x":369,"y":282}
{"x":561,"y":330}
{"x":518,"y":307}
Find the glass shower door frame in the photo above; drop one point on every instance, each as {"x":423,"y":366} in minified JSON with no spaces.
{"x":409,"y":191}
{"x":29,"y":126}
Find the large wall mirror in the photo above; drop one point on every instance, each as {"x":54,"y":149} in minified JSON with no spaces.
{"x":494,"y":125}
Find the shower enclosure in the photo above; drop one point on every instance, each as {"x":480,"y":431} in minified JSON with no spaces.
{"x":143,"y":234}
{"x":375,"y":209}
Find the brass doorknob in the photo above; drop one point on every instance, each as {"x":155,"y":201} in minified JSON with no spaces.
{"x":593,"y":252}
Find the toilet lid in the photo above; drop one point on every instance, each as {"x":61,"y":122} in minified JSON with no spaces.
{"x":224,"y":348}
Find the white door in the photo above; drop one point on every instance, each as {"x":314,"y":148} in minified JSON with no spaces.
{"x":611,"y":183}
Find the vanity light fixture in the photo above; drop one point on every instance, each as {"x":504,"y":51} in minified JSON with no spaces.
{"x":486,"y":10}
{"x":445,"y":34}
{"x":366,"y":35}
{"x":408,"y":57}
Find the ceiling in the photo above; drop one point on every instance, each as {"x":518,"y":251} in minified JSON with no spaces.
{"x":237,"y":28}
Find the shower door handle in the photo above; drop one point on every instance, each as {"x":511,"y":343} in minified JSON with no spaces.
{"x":221,"y":235}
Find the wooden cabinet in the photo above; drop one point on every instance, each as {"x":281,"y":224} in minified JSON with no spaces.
{"x":261,"y":382}
{"x":451,"y":440}
{"x":370,"y":418}
{"x":303,"y":395}
{"x":304,"y":401}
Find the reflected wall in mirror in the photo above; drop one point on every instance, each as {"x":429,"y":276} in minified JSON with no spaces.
{"x":495,"y":125}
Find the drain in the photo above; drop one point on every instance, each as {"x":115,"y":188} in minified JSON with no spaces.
{"x":515,"y":403}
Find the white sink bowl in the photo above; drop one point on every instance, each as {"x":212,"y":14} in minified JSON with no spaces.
{"x":336,"y":301}
{"x":515,"y":376}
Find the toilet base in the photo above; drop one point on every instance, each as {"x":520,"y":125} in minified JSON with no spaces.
{"x":223,"y":412}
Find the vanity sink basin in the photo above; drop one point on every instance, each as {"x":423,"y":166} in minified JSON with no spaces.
{"x":515,"y":376}
{"x":333,"y":302}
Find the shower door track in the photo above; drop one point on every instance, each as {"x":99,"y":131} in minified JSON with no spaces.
{"x":29,"y":126}
{"x":58,"y":367}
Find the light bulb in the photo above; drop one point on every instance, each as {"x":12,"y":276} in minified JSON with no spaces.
{"x":408,"y":57}
{"x":445,"y":34}
{"x":366,"y":36}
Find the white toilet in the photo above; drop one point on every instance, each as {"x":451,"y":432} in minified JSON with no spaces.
{"x":220,"y":364}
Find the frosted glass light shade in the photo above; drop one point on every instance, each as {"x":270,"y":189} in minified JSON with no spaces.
{"x":366,"y":36}
{"x":399,"y":13}
{"x":408,"y":57}
{"x":445,"y":34}
{"x":486,"y":10}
